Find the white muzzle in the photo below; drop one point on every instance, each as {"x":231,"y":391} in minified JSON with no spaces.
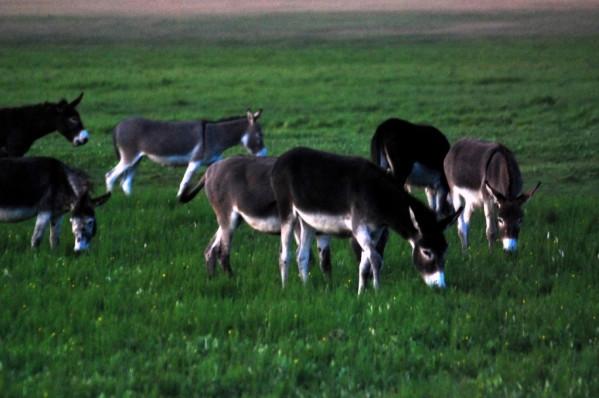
{"x":436,"y":279}
{"x":510,"y":244}
{"x":81,"y":245}
{"x":81,"y":138}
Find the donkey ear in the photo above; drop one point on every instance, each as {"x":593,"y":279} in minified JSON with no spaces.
{"x":525,"y":196}
{"x":100,"y":200}
{"x":447,"y":221}
{"x":62,"y":105}
{"x":257,"y":114}
{"x":497,"y":196}
{"x":78,"y":202}
{"x":414,"y":222}
{"x":76,"y":101}
{"x":250,"y":116}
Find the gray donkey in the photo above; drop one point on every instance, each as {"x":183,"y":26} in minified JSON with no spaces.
{"x":193,"y":144}
{"x":486,"y":174}
{"x":238,"y":189}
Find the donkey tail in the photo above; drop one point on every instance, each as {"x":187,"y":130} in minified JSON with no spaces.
{"x":114,"y":144}
{"x":190,"y":193}
{"x":375,"y":153}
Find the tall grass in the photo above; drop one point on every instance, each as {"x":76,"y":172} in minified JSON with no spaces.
{"x":137,"y":315}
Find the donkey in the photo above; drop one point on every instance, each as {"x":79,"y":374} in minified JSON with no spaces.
{"x":486,"y":174}
{"x":350,"y":196}
{"x":47,"y":188}
{"x":20,"y":127}
{"x":414,"y":154}
{"x":238,"y":188}
{"x":192,"y":144}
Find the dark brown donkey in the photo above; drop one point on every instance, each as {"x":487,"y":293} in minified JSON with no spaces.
{"x":192,"y":144}
{"x":20,"y":127}
{"x":350,"y":196}
{"x":238,"y":188}
{"x":486,"y":174}
{"x":47,"y":188}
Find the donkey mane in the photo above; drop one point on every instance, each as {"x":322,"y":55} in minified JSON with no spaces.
{"x":79,"y":181}
{"x":43,"y":106}
{"x":225,"y":119}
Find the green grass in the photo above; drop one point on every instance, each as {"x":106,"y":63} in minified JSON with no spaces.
{"x":137,"y":315}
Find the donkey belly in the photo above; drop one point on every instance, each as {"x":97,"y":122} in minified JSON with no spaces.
{"x":267,"y":223}
{"x":472,"y":197}
{"x":16,"y":214}
{"x":171,"y":160}
{"x":423,"y":176}
{"x":330,"y":224}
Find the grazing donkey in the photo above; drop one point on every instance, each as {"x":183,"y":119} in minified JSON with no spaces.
{"x":350,"y":196}
{"x":486,"y":174}
{"x":20,"y":127}
{"x":192,"y":144}
{"x":47,"y":188}
{"x":414,"y":154}
{"x":238,"y":188}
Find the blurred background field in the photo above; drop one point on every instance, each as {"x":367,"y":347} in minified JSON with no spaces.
{"x":137,"y":314}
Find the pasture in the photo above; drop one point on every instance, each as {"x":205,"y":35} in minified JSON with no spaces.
{"x":137,"y":315}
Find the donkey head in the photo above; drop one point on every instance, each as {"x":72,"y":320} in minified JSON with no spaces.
{"x":83,"y":219}
{"x":252,"y":138}
{"x":429,"y":246}
{"x":68,"y":121}
{"x":509,"y":215}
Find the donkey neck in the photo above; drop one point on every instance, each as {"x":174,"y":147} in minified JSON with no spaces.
{"x":392,"y":205}
{"x":41,"y":120}
{"x":219,"y":136}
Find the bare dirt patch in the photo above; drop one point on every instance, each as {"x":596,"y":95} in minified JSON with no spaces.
{"x":210,"y":20}
{"x":235,"y":7}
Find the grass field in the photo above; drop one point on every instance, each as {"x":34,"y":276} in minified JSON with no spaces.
{"x":137,"y":316}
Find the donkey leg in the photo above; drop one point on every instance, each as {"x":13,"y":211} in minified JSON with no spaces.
{"x":285,"y":256}
{"x":212,"y":252}
{"x":225,"y":241}
{"x":323,"y":243}
{"x":456,"y":201}
{"x":464,"y":224}
{"x":364,"y":272}
{"x":113,"y":175}
{"x":41,"y":223}
{"x":303,"y":253}
{"x":380,"y":242}
{"x":128,"y":174}
{"x":369,"y":255}
{"x":127,"y":180}
{"x":225,"y":250}
{"x":55,"y":225}
{"x":491,"y":230}
{"x":443,"y":201}
{"x":192,"y":167}
{"x":431,"y":197}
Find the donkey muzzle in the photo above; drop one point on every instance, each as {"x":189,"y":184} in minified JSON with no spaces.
{"x":81,"y":138}
{"x":436,"y":279}
{"x":80,"y":245}
{"x":510,"y":244}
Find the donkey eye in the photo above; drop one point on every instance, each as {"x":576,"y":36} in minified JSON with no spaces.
{"x":427,"y":253}
{"x":500,"y":221}
{"x":89,"y":223}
